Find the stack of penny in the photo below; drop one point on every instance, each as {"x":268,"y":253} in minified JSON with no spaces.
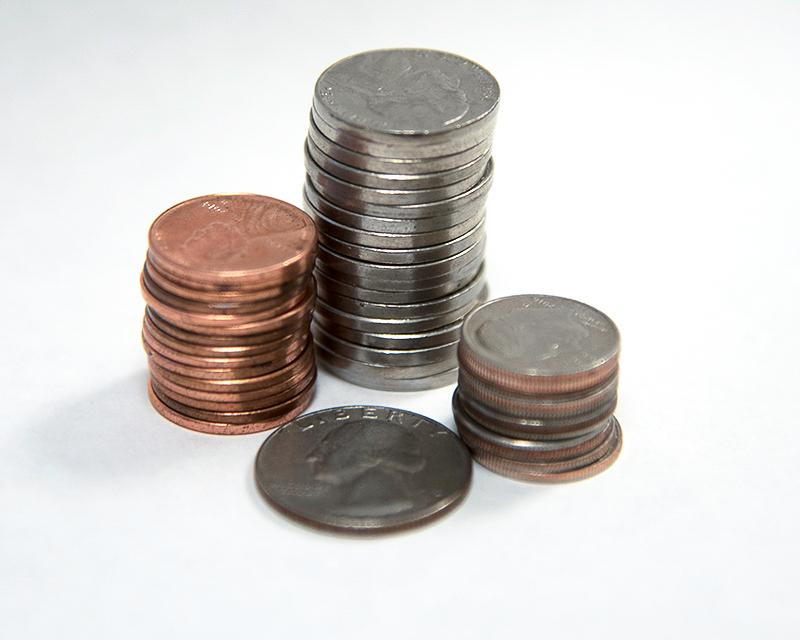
{"x":398,"y":164}
{"x":229,"y":291}
{"x":537,"y":388}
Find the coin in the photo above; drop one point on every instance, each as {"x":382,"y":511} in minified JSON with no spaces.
{"x":363,"y":469}
{"x":539,"y":344}
{"x":434,"y":337}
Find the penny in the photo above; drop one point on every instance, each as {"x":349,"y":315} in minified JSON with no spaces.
{"x":363,"y":469}
{"x":529,"y":473}
{"x":233,"y":239}
{"x":539,"y":344}
{"x":227,"y":428}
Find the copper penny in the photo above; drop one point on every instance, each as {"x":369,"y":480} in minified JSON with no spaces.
{"x":239,"y":239}
{"x":223,"y":428}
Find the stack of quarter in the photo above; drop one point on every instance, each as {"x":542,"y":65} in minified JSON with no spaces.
{"x":229,"y":291}
{"x":398,"y":169}
{"x":537,"y":388}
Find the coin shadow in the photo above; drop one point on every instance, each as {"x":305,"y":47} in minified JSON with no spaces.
{"x":110,"y":432}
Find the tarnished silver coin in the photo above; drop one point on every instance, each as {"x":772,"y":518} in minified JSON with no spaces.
{"x":409,"y":166}
{"x":406,"y":256}
{"x":390,"y":357}
{"x":539,"y":344}
{"x":475,"y":290}
{"x":431,"y":97}
{"x":350,"y":195}
{"x":391,"y":181}
{"x":332,"y":230}
{"x":363,"y":469}
{"x":433,"y":338}
{"x":373,"y":376}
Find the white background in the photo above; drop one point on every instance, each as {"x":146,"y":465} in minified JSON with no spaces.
{"x":647,"y":158}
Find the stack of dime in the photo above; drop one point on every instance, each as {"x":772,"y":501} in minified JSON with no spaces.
{"x":229,"y":296}
{"x":537,"y":388}
{"x":398,"y":162}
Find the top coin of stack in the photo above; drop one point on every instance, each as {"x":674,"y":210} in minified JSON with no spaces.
{"x":229,"y":296}
{"x":398,"y":163}
{"x":538,"y":387}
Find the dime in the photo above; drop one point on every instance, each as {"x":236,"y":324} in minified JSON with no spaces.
{"x":363,"y":469}
{"x":539,"y":344}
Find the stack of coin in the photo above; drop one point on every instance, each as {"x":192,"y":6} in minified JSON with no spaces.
{"x":537,"y":388}
{"x":398,"y":163}
{"x":229,"y":291}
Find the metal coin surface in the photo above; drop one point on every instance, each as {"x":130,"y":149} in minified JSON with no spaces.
{"x":233,"y":239}
{"x":465,"y":204}
{"x":384,"y":164}
{"x":379,"y":180}
{"x":406,"y":256}
{"x":548,"y":474}
{"x":333,"y":231}
{"x":385,"y":378}
{"x":363,"y":469}
{"x":539,"y":344}
{"x":413,"y":93}
{"x":348,"y":194}
{"x":433,"y":338}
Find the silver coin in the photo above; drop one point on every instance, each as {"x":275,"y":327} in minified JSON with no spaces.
{"x":316,"y":205}
{"x":524,"y":445}
{"x":350,"y":195}
{"x":405,"y":256}
{"x":331,"y":230}
{"x":363,"y":469}
{"x":464,"y":204}
{"x":419,"y":293}
{"x":550,"y":428}
{"x":389,"y":357}
{"x":410,"y":166}
{"x":542,"y":336}
{"x":390,"y":325}
{"x":476,"y":290}
{"x":433,"y":338}
{"x":396,"y":273}
{"x":421,"y":95}
{"x":391,"y":181}
{"x":388,"y":378}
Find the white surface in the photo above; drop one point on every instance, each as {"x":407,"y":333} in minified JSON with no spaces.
{"x":647,"y":163}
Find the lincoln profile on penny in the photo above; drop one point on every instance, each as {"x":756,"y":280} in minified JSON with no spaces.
{"x":367,"y":465}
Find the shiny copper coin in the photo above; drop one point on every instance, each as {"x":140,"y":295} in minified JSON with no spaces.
{"x":271,"y":389}
{"x":223,"y":311}
{"x":223,"y":351}
{"x":536,"y":428}
{"x":233,"y":240}
{"x":203,"y":338}
{"x":187,"y":315}
{"x":237,"y":417}
{"x":285,"y":352}
{"x":537,"y":406}
{"x":479,"y":437}
{"x":258,"y":293}
{"x":537,"y":473}
{"x":262,"y":403}
{"x":235,"y":385}
{"x":299,"y":405}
